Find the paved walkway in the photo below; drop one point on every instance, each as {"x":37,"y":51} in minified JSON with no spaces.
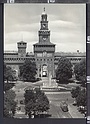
{"x":19,"y":90}
{"x":20,"y":114}
{"x":74,"y":112}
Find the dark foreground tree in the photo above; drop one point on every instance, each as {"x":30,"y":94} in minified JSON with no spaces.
{"x":28,"y":71}
{"x":81,"y":98}
{"x":36,"y":103}
{"x":9,"y":73}
{"x":75,"y":91}
{"x":64,"y":70}
{"x":6,"y":113}
{"x":8,"y":86}
{"x":29,"y":95}
{"x":9,"y":103}
{"x":80,"y":71}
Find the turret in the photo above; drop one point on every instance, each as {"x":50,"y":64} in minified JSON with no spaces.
{"x":21,"y":48}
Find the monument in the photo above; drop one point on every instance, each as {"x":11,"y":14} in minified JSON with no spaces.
{"x":49,"y":84}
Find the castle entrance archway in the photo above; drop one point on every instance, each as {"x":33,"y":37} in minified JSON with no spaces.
{"x":44,"y":70}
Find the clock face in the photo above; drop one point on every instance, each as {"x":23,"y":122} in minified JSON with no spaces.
{"x":44,"y":38}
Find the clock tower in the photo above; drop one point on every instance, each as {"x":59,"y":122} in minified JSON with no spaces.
{"x":44,"y":50}
{"x":44,"y":33}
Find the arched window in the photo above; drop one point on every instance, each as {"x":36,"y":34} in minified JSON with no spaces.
{"x":44,"y":53}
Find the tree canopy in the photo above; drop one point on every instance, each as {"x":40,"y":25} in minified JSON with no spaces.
{"x":75,"y":91}
{"x":80,"y":96}
{"x":28,"y":71}
{"x":9,"y":73}
{"x":9,"y":103}
{"x":80,"y":71}
{"x":35,"y":102}
{"x":8,"y":86}
{"x":64,"y":70}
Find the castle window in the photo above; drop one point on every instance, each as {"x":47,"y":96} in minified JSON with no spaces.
{"x":44,"y":53}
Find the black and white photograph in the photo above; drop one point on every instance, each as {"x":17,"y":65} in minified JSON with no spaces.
{"x":44,"y":61}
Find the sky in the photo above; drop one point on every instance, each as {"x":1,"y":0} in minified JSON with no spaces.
{"x":67,"y":23}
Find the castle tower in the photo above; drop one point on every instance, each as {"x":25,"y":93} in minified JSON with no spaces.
{"x":21,"y":48}
{"x":44,"y":33}
{"x":44,"y":50}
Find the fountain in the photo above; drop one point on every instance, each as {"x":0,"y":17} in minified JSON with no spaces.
{"x":49,"y":84}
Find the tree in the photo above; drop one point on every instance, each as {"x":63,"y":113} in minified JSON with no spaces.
{"x":64,"y":70}
{"x":41,"y":100}
{"x":9,"y":103}
{"x":36,"y":102}
{"x":81,"y":98}
{"x":29,"y":95}
{"x":28,"y":71}
{"x":9,"y":73}
{"x":6,"y":113}
{"x":75,"y":91}
{"x":80,"y":71}
{"x":10,"y":94}
{"x":79,"y":95}
{"x":8,"y":86}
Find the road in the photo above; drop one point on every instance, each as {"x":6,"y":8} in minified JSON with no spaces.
{"x":55,"y":99}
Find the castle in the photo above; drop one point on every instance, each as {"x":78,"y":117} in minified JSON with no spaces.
{"x":44,"y":53}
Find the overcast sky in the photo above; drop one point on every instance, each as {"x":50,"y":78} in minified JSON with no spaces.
{"x":67,"y":23}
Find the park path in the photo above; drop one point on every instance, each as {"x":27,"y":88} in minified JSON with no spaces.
{"x":74,"y":112}
{"x":19,"y":90}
